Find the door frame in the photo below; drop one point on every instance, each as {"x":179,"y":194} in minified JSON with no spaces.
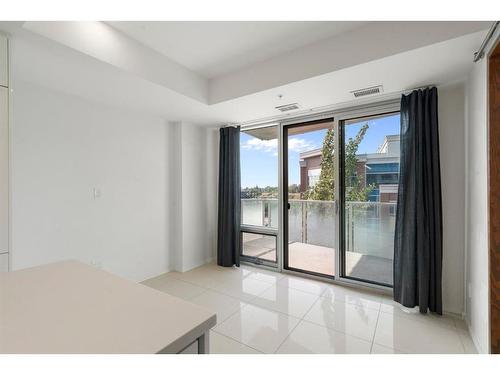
{"x":338,"y":114}
{"x":266,"y":231}
{"x":350,"y":114}
{"x":341,"y":196}
{"x":284,"y":195}
{"x":493,"y":142}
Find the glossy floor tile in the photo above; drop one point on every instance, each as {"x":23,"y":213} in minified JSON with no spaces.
{"x":391,"y":307}
{"x":179,"y":288}
{"x":221,"y":304}
{"x":245,"y":289}
{"x":311,"y":338}
{"x":258,"y":328}
{"x":288,"y":301}
{"x":351,"y":319}
{"x":379,"y":349}
{"x":467,"y":343}
{"x":220,"y":344}
{"x":352,"y":296}
{"x":412,"y":336}
{"x":157,"y":282}
{"x":260,"y":311}
{"x":303,"y":284}
{"x":205,"y":278}
{"x":265,"y":275}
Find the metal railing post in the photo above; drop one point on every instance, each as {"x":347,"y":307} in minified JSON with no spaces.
{"x":263,"y":210}
{"x":305,"y":221}
{"x":269,"y":214}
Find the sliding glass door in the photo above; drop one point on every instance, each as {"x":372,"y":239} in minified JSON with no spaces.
{"x":319,"y":196}
{"x":369,"y":174}
{"x":259,"y":195}
{"x":309,"y":198}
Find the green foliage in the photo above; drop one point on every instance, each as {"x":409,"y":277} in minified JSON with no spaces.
{"x":354,"y":190}
{"x":294,"y":188}
{"x":324,"y":190}
{"x":257,"y":192}
{"x":359,"y":194}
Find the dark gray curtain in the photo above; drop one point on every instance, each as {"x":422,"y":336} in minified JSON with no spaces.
{"x":418,"y":238}
{"x":228,"y":235}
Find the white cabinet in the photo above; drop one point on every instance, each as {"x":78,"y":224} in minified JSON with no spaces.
{"x":4,"y":169}
{"x":4,"y":262}
{"x":4,"y":70}
{"x":4,"y":154}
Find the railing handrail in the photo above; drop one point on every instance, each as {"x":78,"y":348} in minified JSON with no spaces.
{"x":303,"y":210}
{"x":318,"y":201}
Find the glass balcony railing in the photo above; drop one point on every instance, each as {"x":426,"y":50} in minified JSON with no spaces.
{"x":260,"y":212}
{"x":369,"y":225}
{"x":369,"y":228}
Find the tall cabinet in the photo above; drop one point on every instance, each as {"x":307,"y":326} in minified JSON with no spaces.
{"x":4,"y":154}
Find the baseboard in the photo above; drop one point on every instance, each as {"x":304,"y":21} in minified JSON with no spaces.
{"x":474,"y":340}
{"x":460,"y":315}
{"x":157,"y":276}
{"x":198,"y":264}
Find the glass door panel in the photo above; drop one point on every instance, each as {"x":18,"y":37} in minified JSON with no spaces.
{"x":259,"y":195}
{"x":369,"y":169}
{"x":309,"y":197}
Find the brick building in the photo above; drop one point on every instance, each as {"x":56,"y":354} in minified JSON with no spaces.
{"x":380,"y":168}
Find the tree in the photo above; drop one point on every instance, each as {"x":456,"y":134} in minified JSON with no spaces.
{"x":354,"y":190}
{"x":325,"y":188}
{"x":293,"y":188}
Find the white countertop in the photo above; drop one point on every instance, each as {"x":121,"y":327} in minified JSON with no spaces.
{"x":70,"y":307}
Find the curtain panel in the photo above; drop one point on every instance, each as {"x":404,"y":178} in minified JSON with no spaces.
{"x":229,"y":205}
{"x":418,"y":241}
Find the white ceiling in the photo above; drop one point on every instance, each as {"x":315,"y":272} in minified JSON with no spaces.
{"x":215,"y":48}
{"x":63,"y":68}
{"x":66,"y":70}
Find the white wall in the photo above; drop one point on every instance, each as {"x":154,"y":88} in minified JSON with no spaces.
{"x":196,"y":196}
{"x":477,"y":272}
{"x":212,"y":186}
{"x":451,"y":101}
{"x":63,"y":147}
{"x":105,"y":43}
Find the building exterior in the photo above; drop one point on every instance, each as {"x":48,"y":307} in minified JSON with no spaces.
{"x":310,"y":168}
{"x":380,"y":168}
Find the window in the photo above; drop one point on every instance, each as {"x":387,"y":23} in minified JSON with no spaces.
{"x":259,"y":194}
{"x":313,"y":176}
{"x":369,"y":202}
{"x":260,"y":247}
{"x":259,"y":177}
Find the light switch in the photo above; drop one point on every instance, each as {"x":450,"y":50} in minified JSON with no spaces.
{"x":97,"y":193}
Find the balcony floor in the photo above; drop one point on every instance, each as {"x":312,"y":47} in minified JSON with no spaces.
{"x":321,"y":259}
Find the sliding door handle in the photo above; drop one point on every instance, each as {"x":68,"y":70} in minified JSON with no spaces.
{"x":288,"y":205}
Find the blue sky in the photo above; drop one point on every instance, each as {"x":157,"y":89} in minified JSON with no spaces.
{"x":259,"y":159}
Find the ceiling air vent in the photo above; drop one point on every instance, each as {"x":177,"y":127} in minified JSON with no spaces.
{"x":367,"y":91}
{"x":287,"y":107}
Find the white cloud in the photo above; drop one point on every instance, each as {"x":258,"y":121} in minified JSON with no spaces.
{"x":257,"y":144}
{"x":294,"y":145}
{"x":300,"y":145}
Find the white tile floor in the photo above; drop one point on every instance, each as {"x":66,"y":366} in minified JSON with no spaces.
{"x":260,"y":311}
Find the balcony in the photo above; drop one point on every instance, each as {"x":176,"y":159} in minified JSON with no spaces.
{"x":369,"y":236}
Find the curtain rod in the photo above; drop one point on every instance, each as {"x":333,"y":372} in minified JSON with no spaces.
{"x":480,"y":52}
